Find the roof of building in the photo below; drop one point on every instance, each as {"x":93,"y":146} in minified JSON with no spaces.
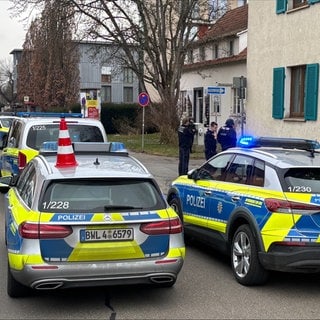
{"x":232,"y":22}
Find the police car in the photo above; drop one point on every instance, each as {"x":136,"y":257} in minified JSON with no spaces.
{"x":29,"y":130}
{"x":259,"y":202}
{"x":88,"y":218}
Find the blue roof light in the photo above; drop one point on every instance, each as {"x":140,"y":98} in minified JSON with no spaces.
{"x":286,"y":143}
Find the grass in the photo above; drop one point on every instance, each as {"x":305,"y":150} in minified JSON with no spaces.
{"x":150,"y":143}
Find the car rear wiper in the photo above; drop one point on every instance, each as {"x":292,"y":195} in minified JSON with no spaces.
{"x":120,"y":207}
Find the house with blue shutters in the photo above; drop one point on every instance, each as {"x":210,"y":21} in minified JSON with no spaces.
{"x":283,"y":57}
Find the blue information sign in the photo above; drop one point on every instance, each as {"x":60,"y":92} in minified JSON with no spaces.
{"x":216,"y":90}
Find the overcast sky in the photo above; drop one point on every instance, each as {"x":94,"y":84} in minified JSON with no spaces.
{"x":12,"y":33}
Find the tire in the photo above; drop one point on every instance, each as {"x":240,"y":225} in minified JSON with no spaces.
{"x":14,"y":288}
{"x":244,"y":258}
{"x":176,"y":206}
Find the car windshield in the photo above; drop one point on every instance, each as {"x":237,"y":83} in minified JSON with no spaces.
{"x":101,"y":195}
{"x":50,"y":132}
{"x":306,"y":180}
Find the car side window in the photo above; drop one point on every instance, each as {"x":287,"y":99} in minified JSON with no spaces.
{"x":14,"y":134}
{"x":239,"y":170}
{"x":26,"y":185}
{"x":257,"y":178}
{"x":215,"y":168}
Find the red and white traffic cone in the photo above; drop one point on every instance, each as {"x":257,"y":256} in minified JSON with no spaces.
{"x":65,"y":154}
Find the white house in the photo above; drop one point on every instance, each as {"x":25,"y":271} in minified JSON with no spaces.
{"x":215,"y":69}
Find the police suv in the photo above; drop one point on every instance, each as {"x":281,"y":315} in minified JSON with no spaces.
{"x":259,"y":202}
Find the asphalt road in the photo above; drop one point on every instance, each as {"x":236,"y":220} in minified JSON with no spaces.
{"x":164,"y":169}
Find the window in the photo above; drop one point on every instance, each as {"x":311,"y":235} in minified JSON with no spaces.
{"x":298,"y":3}
{"x":190,"y":56}
{"x":106,"y":78}
{"x":297,"y":91}
{"x":127,"y":94}
{"x":303,"y":99}
{"x":215,"y":169}
{"x":231,"y":48}
{"x":101,"y":195}
{"x":105,"y":94}
{"x":26,"y":185}
{"x":215,"y":51}
{"x":239,"y":170}
{"x":236,"y":108}
{"x":202,"y":53}
{"x":127,"y":75}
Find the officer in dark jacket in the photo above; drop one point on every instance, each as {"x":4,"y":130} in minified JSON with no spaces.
{"x":210,"y":141}
{"x":227,"y":135}
{"x":185,"y":135}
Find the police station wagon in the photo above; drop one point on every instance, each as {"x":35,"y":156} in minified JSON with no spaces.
{"x":29,"y":130}
{"x":259,"y":203}
{"x":88,"y":217}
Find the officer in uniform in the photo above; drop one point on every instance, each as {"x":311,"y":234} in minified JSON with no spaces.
{"x":185,"y":135}
{"x":227,"y":136}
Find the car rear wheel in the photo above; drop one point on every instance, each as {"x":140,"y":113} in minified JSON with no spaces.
{"x":176,"y":206}
{"x":245,"y":262}
{"x":14,"y":288}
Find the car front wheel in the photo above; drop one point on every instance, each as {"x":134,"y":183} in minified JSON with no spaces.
{"x":245,"y":262}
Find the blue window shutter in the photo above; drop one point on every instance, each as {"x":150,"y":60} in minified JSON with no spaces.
{"x":313,"y":1}
{"x":278,"y":93}
{"x":311,"y":92}
{"x":281,"y":6}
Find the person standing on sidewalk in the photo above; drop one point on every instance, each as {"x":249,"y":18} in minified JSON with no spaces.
{"x":185,"y":136}
{"x":210,"y":141}
{"x":227,"y":135}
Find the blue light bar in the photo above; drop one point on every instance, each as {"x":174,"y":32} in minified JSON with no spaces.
{"x":23,"y":114}
{"x":286,"y":143}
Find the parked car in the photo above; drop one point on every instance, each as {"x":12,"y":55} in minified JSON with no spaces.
{"x":88,"y":216}
{"x":259,"y":203}
{"x":29,"y":130}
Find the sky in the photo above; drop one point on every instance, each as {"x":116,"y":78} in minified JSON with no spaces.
{"x":12,"y":32}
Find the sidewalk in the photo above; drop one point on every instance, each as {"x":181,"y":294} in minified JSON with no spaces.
{"x":164,"y":169}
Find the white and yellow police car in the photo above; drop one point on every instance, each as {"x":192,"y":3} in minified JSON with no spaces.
{"x":87,"y":216}
{"x":259,"y":202}
{"x":29,"y":130}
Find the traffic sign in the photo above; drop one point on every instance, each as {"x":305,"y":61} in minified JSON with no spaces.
{"x":216,"y":90}
{"x":143,"y":99}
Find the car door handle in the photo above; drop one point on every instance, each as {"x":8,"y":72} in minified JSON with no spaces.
{"x":235,"y":198}
{"x":208,"y":193}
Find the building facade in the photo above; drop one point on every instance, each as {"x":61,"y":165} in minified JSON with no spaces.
{"x":283,"y":68}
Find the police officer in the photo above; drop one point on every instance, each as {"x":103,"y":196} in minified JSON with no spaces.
{"x":210,"y":141}
{"x":227,"y":135}
{"x":185,"y":135}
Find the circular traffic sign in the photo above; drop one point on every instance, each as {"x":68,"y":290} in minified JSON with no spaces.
{"x":143,"y":99}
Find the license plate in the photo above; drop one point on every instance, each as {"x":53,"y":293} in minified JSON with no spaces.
{"x":106,"y":235}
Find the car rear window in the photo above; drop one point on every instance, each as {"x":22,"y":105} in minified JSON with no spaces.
{"x":101,"y":195}
{"x":305,"y":180}
{"x":50,"y":132}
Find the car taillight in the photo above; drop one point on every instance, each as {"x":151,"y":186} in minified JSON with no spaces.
{"x":162,"y":227}
{"x":22,"y":160}
{"x":284,"y":206}
{"x":43,"y":231}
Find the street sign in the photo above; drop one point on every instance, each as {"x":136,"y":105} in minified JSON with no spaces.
{"x":216,"y":90}
{"x":143,"y":99}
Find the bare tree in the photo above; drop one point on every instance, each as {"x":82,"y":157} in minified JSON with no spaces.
{"x":48,"y":72}
{"x":7,"y":82}
{"x":163,"y":30}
